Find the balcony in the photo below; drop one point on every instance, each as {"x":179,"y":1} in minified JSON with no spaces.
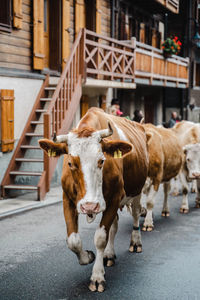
{"x":172,"y":5}
{"x":124,"y":64}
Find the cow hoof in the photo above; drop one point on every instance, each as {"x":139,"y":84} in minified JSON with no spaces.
{"x":165,"y":214}
{"x":147,"y":228}
{"x":135,"y":248}
{"x":109,"y":262}
{"x":184,"y":210}
{"x":91,"y":256}
{"x":95,"y":286}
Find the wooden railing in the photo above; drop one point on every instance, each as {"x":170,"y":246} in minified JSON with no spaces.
{"x":172,"y":5}
{"x":65,"y":101}
{"x":107,"y":58}
{"x":151,"y":65}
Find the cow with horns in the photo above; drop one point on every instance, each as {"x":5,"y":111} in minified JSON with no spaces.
{"x":105,"y":167}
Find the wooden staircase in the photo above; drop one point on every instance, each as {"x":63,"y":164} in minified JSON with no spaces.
{"x":54,"y":109}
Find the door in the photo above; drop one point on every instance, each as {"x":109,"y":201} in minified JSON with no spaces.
{"x":149,"y":109}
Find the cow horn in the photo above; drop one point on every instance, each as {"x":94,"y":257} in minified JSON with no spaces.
{"x":106,"y":132}
{"x":60,"y":138}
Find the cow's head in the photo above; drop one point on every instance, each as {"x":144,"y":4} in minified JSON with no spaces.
{"x":83,"y":165}
{"x":192,"y":159}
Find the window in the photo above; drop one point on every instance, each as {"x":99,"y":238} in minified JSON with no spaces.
{"x":5,"y":15}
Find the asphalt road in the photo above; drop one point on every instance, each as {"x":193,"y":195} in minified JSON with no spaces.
{"x":35,"y":262}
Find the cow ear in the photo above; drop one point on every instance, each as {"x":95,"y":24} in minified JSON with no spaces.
{"x":53,"y":149}
{"x":116,"y":149}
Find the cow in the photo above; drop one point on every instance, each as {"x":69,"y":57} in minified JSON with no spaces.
{"x":187,"y":133}
{"x":165,"y":160}
{"x":191,"y":170}
{"x":105,"y":167}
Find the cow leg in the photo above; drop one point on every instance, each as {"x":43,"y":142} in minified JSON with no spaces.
{"x":198,"y":194}
{"x":148,"y":221}
{"x":184,"y":209}
{"x":136,"y":243}
{"x":175,"y":186}
{"x":194,"y":186}
{"x":74,"y":241}
{"x":109,"y":253}
{"x":97,"y":280}
{"x":165,"y":210}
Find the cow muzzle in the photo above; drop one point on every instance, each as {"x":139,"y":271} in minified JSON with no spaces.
{"x":195,"y":175}
{"x":90,"y":208}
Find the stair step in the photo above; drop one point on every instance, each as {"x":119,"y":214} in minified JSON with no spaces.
{"x":45,"y":99}
{"x":40,"y":110}
{"x":39,"y":160}
{"x":34,"y":134}
{"x":50,"y":88}
{"x":29,"y":147}
{"x":36,"y":122}
{"x":26,"y":173}
{"x":20,"y":187}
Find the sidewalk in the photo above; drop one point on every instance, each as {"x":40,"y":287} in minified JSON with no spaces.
{"x":11,"y":206}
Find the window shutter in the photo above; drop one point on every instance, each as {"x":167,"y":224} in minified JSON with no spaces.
{"x":38,"y":34}
{"x":65,"y":33}
{"x":7,"y":120}
{"x":98,"y":16}
{"x":142,"y":32}
{"x":79,"y":15}
{"x":17,"y":14}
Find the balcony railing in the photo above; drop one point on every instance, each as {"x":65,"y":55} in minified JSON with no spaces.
{"x":107,"y":58}
{"x":130,"y":62}
{"x":172,"y":5}
{"x":156,"y":70}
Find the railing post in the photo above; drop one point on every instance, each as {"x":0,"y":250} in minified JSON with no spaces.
{"x":133,"y":44}
{"x":47,"y":135}
{"x":82,"y":65}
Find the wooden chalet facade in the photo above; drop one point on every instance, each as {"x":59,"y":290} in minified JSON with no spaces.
{"x":61,"y":57}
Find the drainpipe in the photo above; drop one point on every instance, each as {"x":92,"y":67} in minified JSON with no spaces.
{"x":112,"y":18}
{"x":164,"y":89}
{"x":189,"y":55}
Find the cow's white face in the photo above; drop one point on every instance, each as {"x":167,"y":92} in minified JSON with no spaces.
{"x":192,"y":158}
{"x":89,"y":150}
{"x":85,"y":160}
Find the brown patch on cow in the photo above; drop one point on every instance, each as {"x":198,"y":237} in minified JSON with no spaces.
{"x":84,"y":132}
{"x":72,"y":178}
{"x":194,"y":135}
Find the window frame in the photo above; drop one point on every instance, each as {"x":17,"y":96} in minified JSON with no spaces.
{"x":6,"y":23}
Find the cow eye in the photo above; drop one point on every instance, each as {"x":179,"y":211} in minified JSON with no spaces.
{"x":69,"y":164}
{"x":100,"y":163}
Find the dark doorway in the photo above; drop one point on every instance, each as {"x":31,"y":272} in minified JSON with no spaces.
{"x":149,"y":108}
{"x":55,"y":35}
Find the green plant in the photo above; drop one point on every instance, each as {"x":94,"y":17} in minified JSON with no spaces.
{"x":171,"y":45}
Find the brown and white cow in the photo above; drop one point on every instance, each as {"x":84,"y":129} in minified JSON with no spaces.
{"x":187,"y":133}
{"x":101,"y":175}
{"x":165,"y":159}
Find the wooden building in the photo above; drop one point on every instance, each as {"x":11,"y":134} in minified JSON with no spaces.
{"x":61,"y":57}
